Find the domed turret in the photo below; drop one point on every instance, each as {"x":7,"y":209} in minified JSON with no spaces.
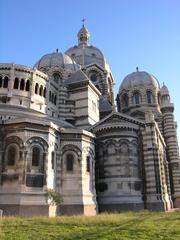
{"x":165,"y":98}
{"x":139,"y":79}
{"x":164,"y":90}
{"x":138,"y":91}
{"x":56,"y":59}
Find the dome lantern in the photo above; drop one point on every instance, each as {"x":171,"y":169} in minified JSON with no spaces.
{"x":83,"y":35}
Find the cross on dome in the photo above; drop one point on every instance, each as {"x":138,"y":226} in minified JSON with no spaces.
{"x":83,"y":21}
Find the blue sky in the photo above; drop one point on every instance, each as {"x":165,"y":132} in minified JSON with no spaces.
{"x":130,"y":33}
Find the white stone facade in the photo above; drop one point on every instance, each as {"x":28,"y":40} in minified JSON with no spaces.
{"x":59,"y":130}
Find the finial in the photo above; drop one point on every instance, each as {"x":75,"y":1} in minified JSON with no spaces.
{"x":83,"y":21}
{"x":57,"y":50}
{"x":163,"y":84}
{"x":137,"y":69}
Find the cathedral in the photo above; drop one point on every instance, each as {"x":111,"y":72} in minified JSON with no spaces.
{"x":61,"y":129}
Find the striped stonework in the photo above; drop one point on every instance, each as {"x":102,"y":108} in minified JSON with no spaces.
{"x":156,"y":192}
{"x":170,"y":136}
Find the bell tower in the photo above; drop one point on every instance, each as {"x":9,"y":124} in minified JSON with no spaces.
{"x":170,"y":135}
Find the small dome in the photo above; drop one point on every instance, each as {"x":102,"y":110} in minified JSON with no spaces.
{"x":139,"y":79}
{"x":56,"y":59}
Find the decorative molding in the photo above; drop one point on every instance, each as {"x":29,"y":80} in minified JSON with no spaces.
{"x":37,"y":140}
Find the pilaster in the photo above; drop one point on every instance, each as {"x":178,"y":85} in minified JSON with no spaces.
{"x":11,"y":81}
{"x":32,"y":86}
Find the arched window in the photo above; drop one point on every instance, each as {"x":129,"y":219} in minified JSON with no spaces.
{"x":55,"y":99}
{"x":81,"y":37}
{"x":93,"y":77}
{"x":35,"y":156}
{"x":111,"y":149}
{"x":136,"y":98}
{"x":52,"y":159}
{"x":22,"y":84}
{"x":11,"y":156}
{"x":56,"y":77}
{"x":5,"y":84}
{"x":0,"y":81}
{"x":16,"y":83}
{"x":87,"y":164}
{"x":69,"y":162}
{"x":44,"y":93}
{"x":124,"y":148}
{"x":28,"y":85}
{"x":149,"y":97}
{"x":36,"y":88}
{"x":41,"y":90}
{"x":50,"y":96}
{"x":125,"y":100}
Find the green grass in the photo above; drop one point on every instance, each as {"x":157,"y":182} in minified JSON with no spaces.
{"x":124,"y":226}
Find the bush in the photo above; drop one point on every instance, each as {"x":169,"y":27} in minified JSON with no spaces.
{"x":53,"y":198}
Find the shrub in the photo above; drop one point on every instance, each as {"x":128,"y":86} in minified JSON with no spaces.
{"x":53,"y":198}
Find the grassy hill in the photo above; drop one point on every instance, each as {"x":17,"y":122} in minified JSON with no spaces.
{"x":124,"y":226}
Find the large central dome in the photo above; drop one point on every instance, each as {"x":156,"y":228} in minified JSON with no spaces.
{"x":139,"y":79}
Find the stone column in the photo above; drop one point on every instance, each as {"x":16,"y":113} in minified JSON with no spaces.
{"x":45,"y":160}
{"x":11,"y":82}
{"x":93,"y":177}
{"x":1,"y":165}
{"x":32,"y":87}
{"x":26,"y":167}
{"x":20,"y":166}
{"x":58,"y":171}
